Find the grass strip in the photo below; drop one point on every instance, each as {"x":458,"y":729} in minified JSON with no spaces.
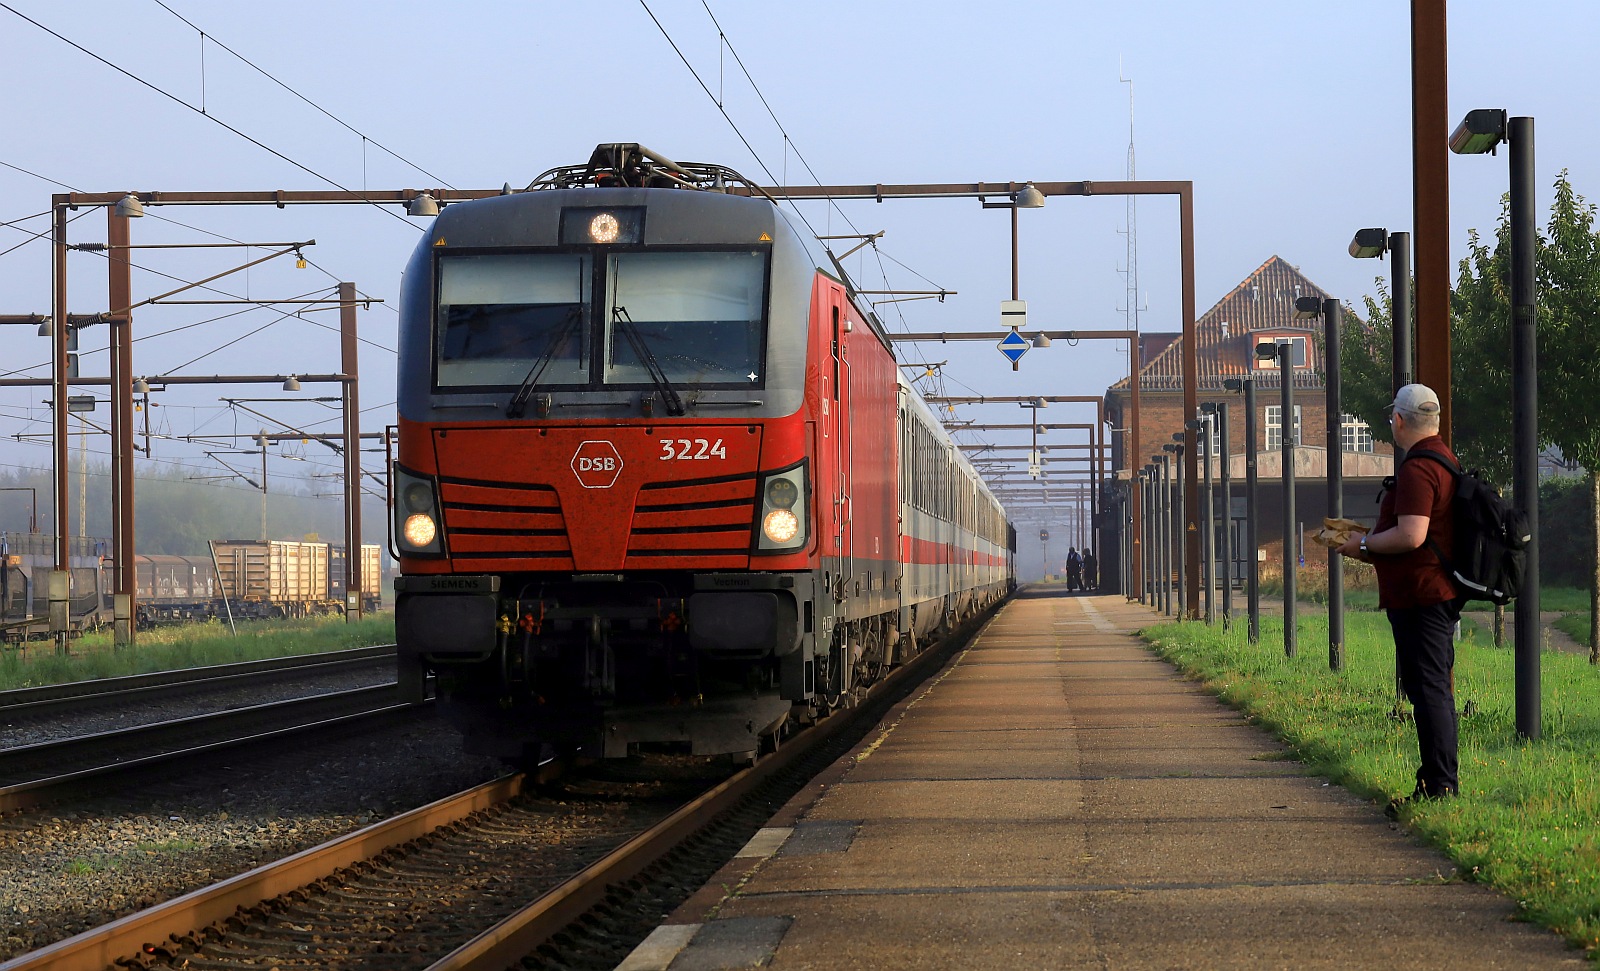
{"x":187,"y":646}
{"x":1526,"y":820}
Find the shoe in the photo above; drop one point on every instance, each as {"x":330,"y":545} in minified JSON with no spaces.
{"x":1418,"y":795}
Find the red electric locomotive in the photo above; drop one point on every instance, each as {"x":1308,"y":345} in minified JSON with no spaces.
{"x":659,"y":479}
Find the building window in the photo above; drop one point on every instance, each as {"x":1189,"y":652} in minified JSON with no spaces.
{"x":1274,"y":425}
{"x":1300,"y":351}
{"x":1354,"y":434}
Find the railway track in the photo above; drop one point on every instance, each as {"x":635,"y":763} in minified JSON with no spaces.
{"x":34,"y":775}
{"x":50,"y":700}
{"x":462,"y":883}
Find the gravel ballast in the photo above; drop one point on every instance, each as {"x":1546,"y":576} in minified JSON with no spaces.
{"x":71,"y":868}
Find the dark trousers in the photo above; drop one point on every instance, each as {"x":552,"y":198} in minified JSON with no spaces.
{"x":1424,"y":645}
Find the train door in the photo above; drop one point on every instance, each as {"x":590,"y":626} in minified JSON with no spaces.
{"x":839,"y":412}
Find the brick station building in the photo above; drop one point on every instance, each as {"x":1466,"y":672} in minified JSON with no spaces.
{"x":1261,"y":309}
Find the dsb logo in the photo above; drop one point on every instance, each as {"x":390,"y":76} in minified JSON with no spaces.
{"x":597,"y":465}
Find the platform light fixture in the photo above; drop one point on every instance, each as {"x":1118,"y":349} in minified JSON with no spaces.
{"x":1369,"y":243}
{"x":291,"y":383}
{"x":141,"y":386}
{"x":1481,"y":131}
{"x":424,"y":204}
{"x":1029,"y":197}
{"x":129,"y":207}
{"x":1307,"y":308}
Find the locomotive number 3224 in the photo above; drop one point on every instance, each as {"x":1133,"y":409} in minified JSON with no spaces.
{"x":691,"y":449}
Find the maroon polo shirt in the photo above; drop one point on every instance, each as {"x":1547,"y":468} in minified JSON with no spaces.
{"x":1423,"y":487}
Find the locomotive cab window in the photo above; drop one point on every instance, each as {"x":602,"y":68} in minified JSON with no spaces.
{"x":502,"y":315}
{"x":697,"y":317}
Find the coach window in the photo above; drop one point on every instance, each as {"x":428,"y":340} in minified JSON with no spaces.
{"x":699,"y":315}
{"x":500,"y":314}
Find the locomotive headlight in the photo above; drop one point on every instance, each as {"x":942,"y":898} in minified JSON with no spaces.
{"x":418,"y":496}
{"x":604,"y":228}
{"x":420,"y":530}
{"x":782,"y":493}
{"x":416,"y":520}
{"x":780,"y":526}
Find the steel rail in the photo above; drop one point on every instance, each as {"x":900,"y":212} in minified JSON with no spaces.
{"x":519,"y":934}
{"x":44,"y":697}
{"x":514,"y":936}
{"x":131,"y":935}
{"x":245,"y":727}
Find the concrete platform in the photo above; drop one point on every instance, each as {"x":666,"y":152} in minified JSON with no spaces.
{"x":1059,"y":798}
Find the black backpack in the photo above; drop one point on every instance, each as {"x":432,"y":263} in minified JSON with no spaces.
{"x":1491,"y":538}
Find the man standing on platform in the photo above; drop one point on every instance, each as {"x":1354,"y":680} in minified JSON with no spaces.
{"x":1408,"y":547}
{"x":1074,"y":569}
{"x":1091,"y":570}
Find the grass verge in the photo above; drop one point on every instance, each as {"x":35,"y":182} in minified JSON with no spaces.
{"x":1576,"y":626}
{"x":1525,"y":820}
{"x":187,"y":646}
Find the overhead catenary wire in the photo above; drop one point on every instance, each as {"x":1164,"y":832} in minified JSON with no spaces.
{"x":788,"y":142}
{"x":280,"y":83}
{"x":166,"y":219}
{"x":202,"y":112}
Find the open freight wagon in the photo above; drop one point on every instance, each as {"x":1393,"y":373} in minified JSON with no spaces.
{"x":284,"y":578}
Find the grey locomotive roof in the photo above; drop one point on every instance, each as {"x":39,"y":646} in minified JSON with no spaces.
{"x":673,"y":216}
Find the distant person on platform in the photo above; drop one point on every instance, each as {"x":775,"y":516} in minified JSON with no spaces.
{"x":1408,"y":547}
{"x":1091,"y":570}
{"x":1074,"y":569}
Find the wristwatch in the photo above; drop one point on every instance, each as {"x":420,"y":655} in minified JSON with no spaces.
{"x":1364,"y":550}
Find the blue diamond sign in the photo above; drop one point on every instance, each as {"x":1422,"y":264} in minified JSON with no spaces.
{"x":1013,"y":346}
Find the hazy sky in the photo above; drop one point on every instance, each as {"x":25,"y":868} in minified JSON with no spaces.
{"x":1291,"y":119}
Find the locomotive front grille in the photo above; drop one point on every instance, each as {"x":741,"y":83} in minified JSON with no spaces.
{"x":708,"y":519}
{"x":485,"y":520}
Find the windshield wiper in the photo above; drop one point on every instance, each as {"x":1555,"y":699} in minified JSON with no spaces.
{"x":519,"y":401}
{"x":641,"y":349}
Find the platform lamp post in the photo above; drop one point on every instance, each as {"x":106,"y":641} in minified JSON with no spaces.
{"x":1139,"y":539}
{"x":1283,"y":353}
{"x":1163,"y":527}
{"x":1332,"y":320}
{"x":1159,"y":551}
{"x":1369,"y":244}
{"x":1175,"y":562}
{"x":1481,"y":131}
{"x":1208,"y":575}
{"x":1218,"y":410}
{"x":1181,"y":540}
{"x":1372,"y":243}
{"x":1252,"y":558}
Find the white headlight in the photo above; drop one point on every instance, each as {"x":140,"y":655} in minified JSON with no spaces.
{"x":419,"y":530}
{"x":604,"y":228}
{"x":781,"y":526}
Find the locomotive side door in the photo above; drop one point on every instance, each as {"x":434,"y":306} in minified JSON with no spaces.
{"x":839,"y":412}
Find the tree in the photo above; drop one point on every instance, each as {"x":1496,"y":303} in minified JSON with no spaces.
{"x":1479,"y":371}
{"x":1569,"y":367}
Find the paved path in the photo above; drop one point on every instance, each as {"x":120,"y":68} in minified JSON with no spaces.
{"x":1059,"y":798}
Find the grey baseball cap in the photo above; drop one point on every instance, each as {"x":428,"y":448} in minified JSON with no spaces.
{"x":1416,"y":399}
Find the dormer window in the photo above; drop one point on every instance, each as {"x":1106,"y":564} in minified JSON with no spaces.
{"x":1301,"y":352}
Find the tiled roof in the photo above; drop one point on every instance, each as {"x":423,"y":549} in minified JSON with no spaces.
{"x":1264,"y":301}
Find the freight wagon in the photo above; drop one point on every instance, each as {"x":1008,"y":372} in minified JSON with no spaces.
{"x":26,"y":560}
